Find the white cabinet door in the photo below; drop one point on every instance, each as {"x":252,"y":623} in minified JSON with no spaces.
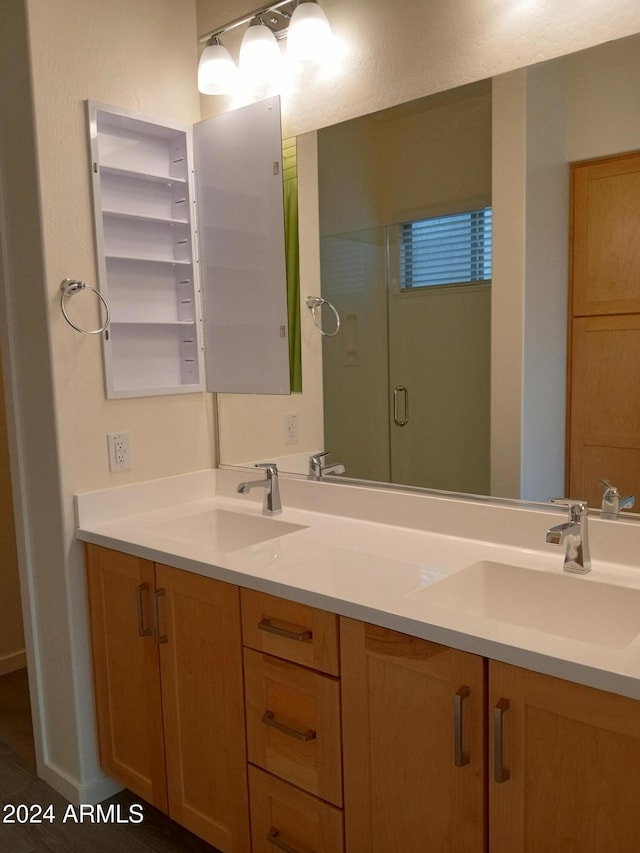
{"x":238,"y":159}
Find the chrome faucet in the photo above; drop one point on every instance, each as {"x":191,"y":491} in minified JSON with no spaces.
{"x":272,"y":505}
{"x":574,"y":534}
{"x":612,"y":503}
{"x":318,"y":469}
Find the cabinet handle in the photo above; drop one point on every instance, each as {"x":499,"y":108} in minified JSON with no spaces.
{"x":302,"y":636}
{"x":461,"y":758}
{"x":142,"y":631}
{"x":158,"y":637}
{"x":269,"y":719}
{"x":501,"y":772}
{"x":273,"y":837}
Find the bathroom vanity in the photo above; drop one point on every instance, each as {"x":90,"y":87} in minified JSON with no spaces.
{"x":319,"y":681}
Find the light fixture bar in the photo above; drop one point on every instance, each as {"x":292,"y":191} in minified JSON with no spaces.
{"x":269,"y":7}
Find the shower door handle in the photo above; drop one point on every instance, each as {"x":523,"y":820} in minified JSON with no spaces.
{"x":400,"y":401}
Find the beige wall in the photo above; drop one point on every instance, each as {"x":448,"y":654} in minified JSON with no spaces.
{"x":141,"y":54}
{"x":405,"y":50}
{"x":12,"y":654}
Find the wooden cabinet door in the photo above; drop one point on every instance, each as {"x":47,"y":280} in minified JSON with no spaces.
{"x":605,"y":270}
{"x":286,"y":818}
{"x":413,"y":780}
{"x":293,"y":724}
{"x":604,"y":432}
{"x":126,"y":672}
{"x":290,"y":630}
{"x":203,"y":705}
{"x":570,"y":766}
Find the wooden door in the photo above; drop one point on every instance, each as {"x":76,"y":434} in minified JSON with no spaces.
{"x":605,"y":406}
{"x":572,"y":757}
{"x":605,"y":228}
{"x":126,"y":672}
{"x":413,"y":781}
{"x":603,"y":424}
{"x":202,"y":701}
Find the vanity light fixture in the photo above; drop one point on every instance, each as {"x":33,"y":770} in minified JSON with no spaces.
{"x":302,"y":22}
{"x":260,"y":57}
{"x":309,"y":32}
{"x":217,"y":72}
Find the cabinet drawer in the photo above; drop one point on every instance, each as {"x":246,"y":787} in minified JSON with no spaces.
{"x":293,"y":724}
{"x":285,"y":818}
{"x":291,"y":631}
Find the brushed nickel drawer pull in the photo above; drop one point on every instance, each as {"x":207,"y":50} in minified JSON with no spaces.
{"x":461,"y":758}
{"x":501,"y":772}
{"x":302,"y":636}
{"x":269,"y":719}
{"x":273,"y":837}
{"x":159,"y":638}
{"x":140,"y":589}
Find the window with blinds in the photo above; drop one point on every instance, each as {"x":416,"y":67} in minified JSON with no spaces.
{"x":454,"y":249}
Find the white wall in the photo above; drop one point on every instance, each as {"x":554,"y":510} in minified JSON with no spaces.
{"x":12,"y":654}
{"x":602,"y":96}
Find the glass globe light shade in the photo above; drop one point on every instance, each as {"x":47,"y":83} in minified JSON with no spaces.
{"x":260,"y":57}
{"x":217,"y":72}
{"x":309,"y":36}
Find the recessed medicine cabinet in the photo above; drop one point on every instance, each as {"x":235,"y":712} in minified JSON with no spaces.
{"x":191,"y":262}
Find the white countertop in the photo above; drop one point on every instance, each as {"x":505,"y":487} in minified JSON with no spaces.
{"x":377,"y":555}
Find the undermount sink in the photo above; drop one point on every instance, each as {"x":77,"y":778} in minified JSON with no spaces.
{"x":225,"y":531}
{"x":565,"y":605}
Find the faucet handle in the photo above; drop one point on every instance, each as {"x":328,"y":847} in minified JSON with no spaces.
{"x":612,"y":501}
{"x":270,"y":467}
{"x":316,"y":457}
{"x":315,"y":462}
{"x":610,"y":491}
{"x":577,"y":508}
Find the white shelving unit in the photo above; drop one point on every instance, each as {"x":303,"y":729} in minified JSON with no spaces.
{"x":143,"y":202}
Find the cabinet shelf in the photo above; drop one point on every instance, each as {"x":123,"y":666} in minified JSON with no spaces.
{"x":142,"y":217}
{"x":152,"y":322}
{"x":149,"y":259}
{"x":142,"y":176}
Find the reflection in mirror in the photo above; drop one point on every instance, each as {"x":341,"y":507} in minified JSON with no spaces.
{"x":405,"y":241}
{"x":498,"y":360}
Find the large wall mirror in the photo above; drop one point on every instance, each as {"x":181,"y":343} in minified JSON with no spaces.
{"x":459,"y":386}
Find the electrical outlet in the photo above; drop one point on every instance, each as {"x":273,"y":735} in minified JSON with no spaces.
{"x":291,"y":428}
{"x":119,"y":452}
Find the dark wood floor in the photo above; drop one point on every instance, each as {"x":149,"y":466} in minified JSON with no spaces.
{"x":19,"y":786}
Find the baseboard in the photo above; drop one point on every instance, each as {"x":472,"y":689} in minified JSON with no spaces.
{"x":95,"y":791}
{"x":13,"y":662}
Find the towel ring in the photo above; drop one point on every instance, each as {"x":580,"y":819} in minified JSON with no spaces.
{"x":313,"y":303}
{"x":69,"y":287}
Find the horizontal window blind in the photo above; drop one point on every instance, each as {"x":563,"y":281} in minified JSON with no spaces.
{"x":453,"y":249}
